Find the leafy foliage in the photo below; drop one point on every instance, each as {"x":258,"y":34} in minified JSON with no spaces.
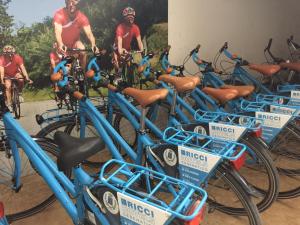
{"x":34,"y":43}
{"x":6,"y":23}
{"x":157,"y":37}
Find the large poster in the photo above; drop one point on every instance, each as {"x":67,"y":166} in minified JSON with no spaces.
{"x":31,"y":28}
{"x":34,"y":35}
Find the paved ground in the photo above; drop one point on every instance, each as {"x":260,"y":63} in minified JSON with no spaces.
{"x":285,"y":212}
{"x":29,"y":110}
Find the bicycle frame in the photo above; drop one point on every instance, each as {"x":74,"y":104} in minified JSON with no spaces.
{"x":267,"y":103}
{"x":144,"y":141}
{"x":239,"y":73}
{"x":79,"y":189}
{"x":56,"y":180}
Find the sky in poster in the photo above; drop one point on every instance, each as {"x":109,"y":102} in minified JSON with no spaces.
{"x":30,"y":11}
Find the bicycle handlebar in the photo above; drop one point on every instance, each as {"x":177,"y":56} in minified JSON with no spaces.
{"x":290,"y":41}
{"x":268,"y":49}
{"x":195,"y":50}
{"x":269,"y":45}
{"x":224,"y":47}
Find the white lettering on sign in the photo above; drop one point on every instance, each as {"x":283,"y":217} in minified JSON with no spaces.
{"x":139,"y":212}
{"x":225,"y":131}
{"x":196,"y":159}
{"x":273,"y":120}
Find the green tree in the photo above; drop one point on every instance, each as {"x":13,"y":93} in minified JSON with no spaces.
{"x":6,"y":23}
{"x":34,"y":43}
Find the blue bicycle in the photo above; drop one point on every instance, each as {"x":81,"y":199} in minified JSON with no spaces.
{"x":112,"y":196}
{"x":147,"y":148}
{"x":198,"y":99}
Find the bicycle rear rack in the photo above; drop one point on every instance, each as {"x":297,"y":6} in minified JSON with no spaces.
{"x":248,"y":122}
{"x":54,"y":115}
{"x":126,"y":179}
{"x":270,"y":107}
{"x":278,"y":100}
{"x":288,"y":88}
{"x":225,"y":149}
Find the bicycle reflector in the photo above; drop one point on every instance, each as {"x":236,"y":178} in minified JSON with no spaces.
{"x":257,"y":133}
{"x":199,"y":217}
{"x":239,"y":162}
{"x":1,"y":210}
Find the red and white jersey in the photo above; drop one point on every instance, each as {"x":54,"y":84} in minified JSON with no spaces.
{"x":11,"y":67}
{"x":70,"y":28}
{"x":127,"y":33}
{"x":55,"y":57}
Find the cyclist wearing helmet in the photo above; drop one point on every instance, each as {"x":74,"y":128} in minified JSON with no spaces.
{"x":12,"y":66}
{"x":124,"y":35}
{"x":54,"y":56}
{"x":68,"y":23}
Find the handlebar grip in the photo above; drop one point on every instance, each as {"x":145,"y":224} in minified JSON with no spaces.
{"x":169,"y":70}
{"x":225,"y":46}
{"x":56,"y":77}
{"x":195,"y":50}
{"x":90,"y":73}
{"x":112,"y":87}
{"x":78,"y":95}
{"x":141,"y":69}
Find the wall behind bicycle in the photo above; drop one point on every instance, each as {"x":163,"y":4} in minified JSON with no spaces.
{"x":247,"y":25}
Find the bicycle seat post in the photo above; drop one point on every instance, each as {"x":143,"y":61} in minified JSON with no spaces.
{"x":142,"y":120}
{"x":174,"y":99}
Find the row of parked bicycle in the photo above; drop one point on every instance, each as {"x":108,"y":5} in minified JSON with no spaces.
{"x":180,"y":152}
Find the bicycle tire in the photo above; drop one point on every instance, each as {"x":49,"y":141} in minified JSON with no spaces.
{"x":50,"y":149}
{"x":232,"y":190}
{"x":272,"y":191}
{"x":131,"y":132}
{"x":263,"y":160}
{"x":250,"y":210}
{"x":290,"y":169}
{"x":16,"y":101}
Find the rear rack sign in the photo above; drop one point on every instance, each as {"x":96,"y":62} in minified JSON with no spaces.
{"x":295,"y":95}
{"x":225,"y":131}
{"x":136,"y":212}
{"x":284,"y":110}
{"x":195,"y":165}
{"x":272,"y":124}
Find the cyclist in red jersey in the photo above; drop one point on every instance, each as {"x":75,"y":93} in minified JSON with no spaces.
{"x":55,"y":57}
{"x":125,"y":32}
{"x":68,"y":23}
{"x":12,"y":66}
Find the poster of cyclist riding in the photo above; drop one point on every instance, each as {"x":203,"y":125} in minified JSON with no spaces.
{"x":35,"y":35}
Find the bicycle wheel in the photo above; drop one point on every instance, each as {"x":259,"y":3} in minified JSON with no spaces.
{"x":225,"y":191}
{"x":34,"y":195}
{"x":286,"y":155}
{"x":16,"y":101}
{"x":227,"y":194}
{"x":260,"y":165}
{"x":126,"y":130}
{"x":261,"y":173}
